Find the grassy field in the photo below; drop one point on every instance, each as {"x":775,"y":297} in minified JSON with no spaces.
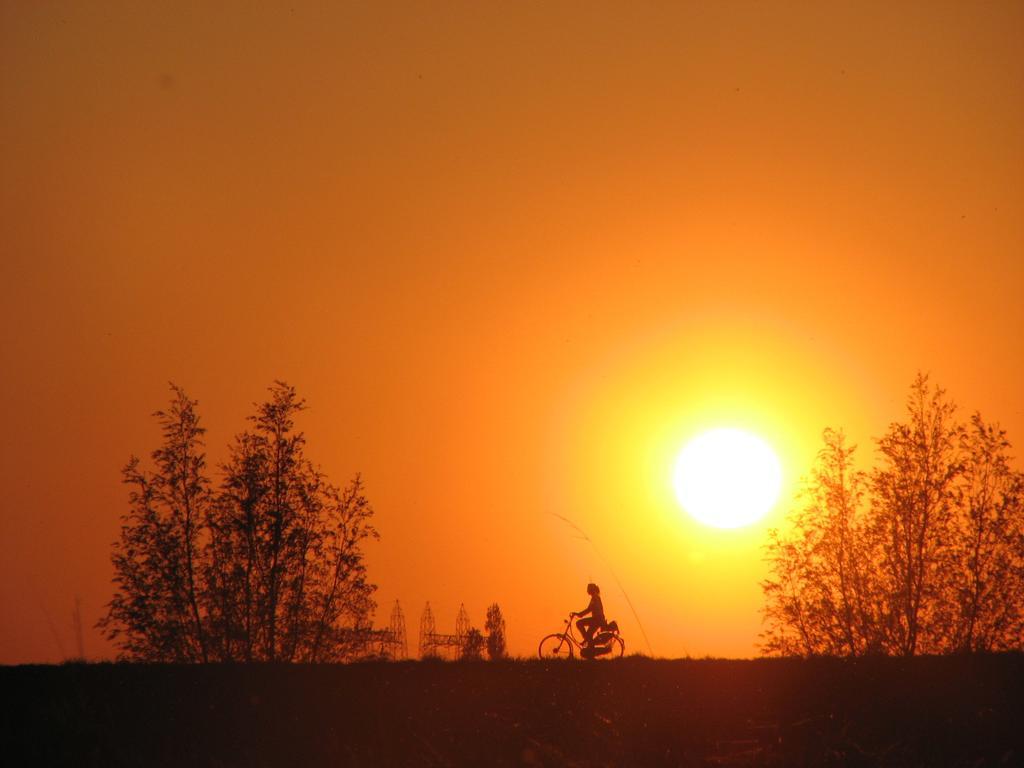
{"x":927,"y":711}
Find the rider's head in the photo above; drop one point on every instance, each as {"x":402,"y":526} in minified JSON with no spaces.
{"x":593,"y":589}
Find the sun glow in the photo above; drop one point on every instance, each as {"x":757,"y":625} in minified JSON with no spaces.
{"x":727,"y":478}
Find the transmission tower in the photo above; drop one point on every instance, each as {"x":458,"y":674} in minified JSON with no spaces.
{"x":433,"y":643}
{"x":399,"y":648}
{"x":428,"y":632}
{"x":462,"y":625}
{"x":389,"y":642}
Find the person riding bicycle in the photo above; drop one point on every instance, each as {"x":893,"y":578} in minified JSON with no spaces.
{"x":588,"y":627}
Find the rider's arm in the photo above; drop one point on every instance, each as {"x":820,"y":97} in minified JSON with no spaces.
{"x":589,"y":608}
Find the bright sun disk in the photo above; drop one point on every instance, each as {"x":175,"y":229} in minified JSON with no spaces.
{"x":727,"y":478}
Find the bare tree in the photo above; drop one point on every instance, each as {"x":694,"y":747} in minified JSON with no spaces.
{"x":288,"y":576}
{"x":340,"y":596}
{"x":913,"y":514}
{"x":819,"y":595}
{"x":986,"y":591}
{"x":155,"y":614}
{"x":791,"y":626}
{"x":495,"y":628}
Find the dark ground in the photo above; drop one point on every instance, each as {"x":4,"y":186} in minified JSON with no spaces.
{"x":965,"y":711}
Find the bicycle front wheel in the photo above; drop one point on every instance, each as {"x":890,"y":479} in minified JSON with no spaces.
{"x":555,"y":647}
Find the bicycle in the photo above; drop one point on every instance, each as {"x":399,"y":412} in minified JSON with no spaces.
{"x":607,"y":643}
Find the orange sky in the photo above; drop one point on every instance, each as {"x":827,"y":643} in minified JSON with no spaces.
{"x":513,"y":254}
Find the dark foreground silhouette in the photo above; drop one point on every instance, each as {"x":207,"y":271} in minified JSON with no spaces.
{"x":887,"y":712}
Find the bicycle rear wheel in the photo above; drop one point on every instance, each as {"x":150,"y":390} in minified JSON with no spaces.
{"x":618,"y":648}
{"x":555,"y":647}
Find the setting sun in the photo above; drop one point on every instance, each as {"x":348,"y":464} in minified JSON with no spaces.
{"x":727,"y":478}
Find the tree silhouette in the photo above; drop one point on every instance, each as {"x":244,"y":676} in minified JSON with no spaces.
{"x":155,"y":613}
{"x":924,"y":554}
{"x":820,"y":593}
{"x":495,"y":628}
{"x":985,"y":561}
{"x":914,"y":511}
{"x":473,"y":645}
{"x":269,"y":568}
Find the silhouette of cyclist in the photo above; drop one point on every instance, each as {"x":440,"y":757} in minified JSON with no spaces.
{"x":588,"y":627}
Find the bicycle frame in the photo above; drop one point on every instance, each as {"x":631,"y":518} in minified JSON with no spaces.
{"x":569,"y":636}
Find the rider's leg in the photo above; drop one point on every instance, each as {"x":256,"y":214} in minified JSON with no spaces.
{"x":586,"y":628}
